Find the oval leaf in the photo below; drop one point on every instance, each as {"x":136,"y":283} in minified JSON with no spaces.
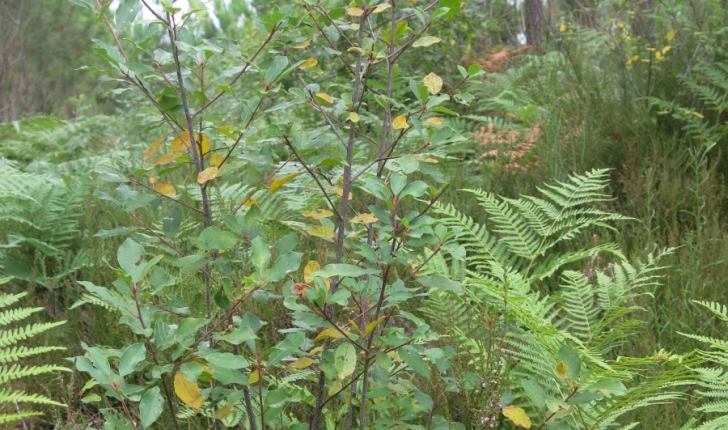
{"x":517,"y":415}
{"x":188,"y":392}
{"x":207,"y":175}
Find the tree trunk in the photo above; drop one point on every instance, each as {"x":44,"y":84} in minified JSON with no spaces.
{"x":534,"y":22}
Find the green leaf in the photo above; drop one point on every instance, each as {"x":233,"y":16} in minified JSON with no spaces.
{"x":534,"y":392}
{"x":260,"y":254}
{"x":284,"y":265}
{"x":453,"y":5}
{"x":412,"y":358}
{"x":275,"y":69}
{"x":345,"y":360}
{"x":126,"y":12}
{"x":131,"y":259}
{"x":332,"y":270}
{"x":441,"y":283}
{"x":608,"y":387}
{"x":151,"y":407}
{"x":226,"y":360}
{"x":214,"y":237}
{"x":426,"y":41}
{"x":133,"y":355}
{"x":572,"y":361}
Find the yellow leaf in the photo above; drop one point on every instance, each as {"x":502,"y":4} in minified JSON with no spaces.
{"x":164,"y":159}
{"x":400,"y":122}
{"x":254,"y":377}
{"x":658,"y":55}
{"x":340,"y":192}
{"x":325,"y":97}
{"x":248,"y":202}
{"x":316,"y":350}
{"x":320,"y":231}
{"x":331,"y":333}
{"x":517,"y":415}
{"x":165,"y":189}
{"x":354,"y":11}
{"x":562,"y":28}
{"x":207,"y":175}
{"x":280,"y":182}
{"x":434,"y":120}
{"x":365,"y":218}
{"x":224,"y":411}
{"x":670,"y":35}
{"x":302,"y":45}
{"x":353,"y":117}
{"x":152,"y":180}
{"x":427,"y":160}
{"x":308,"y":64}
{"x":182,"y":142}
{"x":188,"y":392}
{"x":301,"y":363}
{"x":372,"y":325}
{"x":216,"y":160}
{"x":380,"y":9}
{"x":312,"y":267}
{"x":632,"y":59}
{"x":317,"y":214}
{"x":433,"y":83}
{"x":356,"y":327}
{"x":666,"y":49}
{"x":155,"y":147}
{"x":699,"y":115}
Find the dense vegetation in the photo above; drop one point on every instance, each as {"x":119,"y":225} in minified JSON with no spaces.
{"x":368,"y":214}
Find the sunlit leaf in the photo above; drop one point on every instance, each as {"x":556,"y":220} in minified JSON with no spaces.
{"x":188,"y":392}
{"x":426,"y":41}
{"x":353,"y":117}
{"x":207,"y":175}
{"x":517,"y":415}
{"x":301,"y":363}
{"x":320,"y":231}
{"x":354,"y":11}
{"x":317,"y":214}
{"x":400,"y":122}
{"x":308,"y":63}
{"x":325,"y":97}
{"x":433,"y":83}
{"x":155,"y":146}
{"x":365,"y":218}
{"x":165,"y":188}
{"x":280,"y":182}
{"x":254,"y":377}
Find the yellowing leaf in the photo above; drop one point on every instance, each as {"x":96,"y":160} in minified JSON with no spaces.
{"x":165,"y":188}
{"x":248,"y":202}
{"x":561,"y":370}
{"x":365,"y":218}
{"x":670,"y":35}
{"x":317,"y":214}
{"x":427,"y":160}
{"x":699,"y":115}
{"x":224,"y":411}
{"x":517,"y":415}
{"x":400,"y":122}
{"x":434,"y":120}
{"x":216,"y":160}
{"x":632,"y":60}
{"x":380,"y":9}
{"x":330,"y":333}
{"x":207,"y":175}
{"x":182,"y":142}
{"x":340,"y":192}
{"x":562,"y":28}
{"x":155,"y":147}
{"x":320,"y":231}
{"x":254,"y":377}
{"x":164,"y":159}
{"x":302,"y":45}
{"x":311,"y":267}
{"x":426,"y":41}
{"x":353,"y":117}
{"x":325,"y":97}
{"x":354,"y":11}
{"x":188,"y":392}
{"x":433,"y":83}
{"x":666,"y":49}
{"x":658,"y":55}
{"x":280,"y":182}
{"x":372,"y":325}
{"x":301,"y":363}
{"x":308,"y":64}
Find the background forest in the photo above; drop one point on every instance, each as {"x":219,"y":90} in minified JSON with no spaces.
{"x":379,"y":214}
